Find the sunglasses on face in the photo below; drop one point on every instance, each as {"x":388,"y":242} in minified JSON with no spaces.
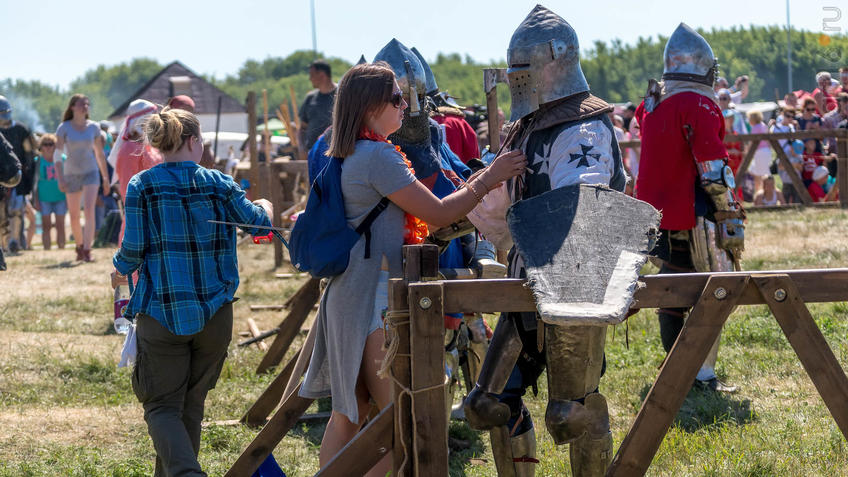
{"x":396,"y":99}
{"x":47,"y":144}
{"x":811,"y":110}
{"x":724,"y":98}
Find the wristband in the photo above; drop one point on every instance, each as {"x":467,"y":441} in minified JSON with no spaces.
{"x":475,"y":192}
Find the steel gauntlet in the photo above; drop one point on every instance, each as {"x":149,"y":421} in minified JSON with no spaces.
{"x":718,"y":182}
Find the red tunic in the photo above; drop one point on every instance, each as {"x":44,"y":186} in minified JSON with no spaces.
{"x":667,"y":170}
{"x":461,"y":139}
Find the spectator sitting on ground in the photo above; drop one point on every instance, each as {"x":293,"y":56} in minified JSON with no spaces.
{"x":823,"y":187}
{"x":770,"y":195}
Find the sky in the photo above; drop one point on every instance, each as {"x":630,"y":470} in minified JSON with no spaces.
{"x":59,"y":40}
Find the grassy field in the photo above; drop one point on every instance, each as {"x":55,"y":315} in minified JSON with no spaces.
{"x":65,"y":409}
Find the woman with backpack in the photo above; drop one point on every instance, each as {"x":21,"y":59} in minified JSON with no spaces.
{"x":348,"y":351}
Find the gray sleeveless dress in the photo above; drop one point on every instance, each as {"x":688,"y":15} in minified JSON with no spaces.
{"x":346,"y":309}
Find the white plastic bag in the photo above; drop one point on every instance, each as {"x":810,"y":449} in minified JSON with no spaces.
{"x":130,"y":349}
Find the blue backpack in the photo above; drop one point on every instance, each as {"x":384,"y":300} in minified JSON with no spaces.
{"x":321,"y":239}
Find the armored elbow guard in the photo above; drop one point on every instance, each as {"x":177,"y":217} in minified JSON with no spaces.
{"x":717,"y":181}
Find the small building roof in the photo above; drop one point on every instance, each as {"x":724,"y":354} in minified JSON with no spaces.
{"x":205,"y":94}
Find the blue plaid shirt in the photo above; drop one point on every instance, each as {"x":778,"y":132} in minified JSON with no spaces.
{"x":188,"y":267}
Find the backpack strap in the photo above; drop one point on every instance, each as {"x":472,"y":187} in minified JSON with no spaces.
{"x":365,"y":226}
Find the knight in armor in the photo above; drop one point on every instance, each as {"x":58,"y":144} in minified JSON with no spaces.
{"x":684,"y":174}
{"x":14,"y":203}
{"x":568,"y":139}
{"x":10,"y":176}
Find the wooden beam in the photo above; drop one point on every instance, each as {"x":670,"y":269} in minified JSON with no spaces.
{"x":270,"y":435}
{"x":746,"y":162}
{"x":842,"y":171}
{"x":304,"y":298}
{"x":427,"y":338}
{"x":255,"y":178}
{"x":277,"y":201}
{"x":370,"y":445}
{"x":661,"y":291}
{"x":271,"y":396}
{"x":792,"y":173}
{"x":401,"y":371}
{"x":718,"y":298}
{"x":782,"y":296}
{"x":254,"y":331}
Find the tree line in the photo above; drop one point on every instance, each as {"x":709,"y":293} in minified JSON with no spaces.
{"x":616,"y":72}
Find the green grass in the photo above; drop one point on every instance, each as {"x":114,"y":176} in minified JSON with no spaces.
{"x":65,"y":409}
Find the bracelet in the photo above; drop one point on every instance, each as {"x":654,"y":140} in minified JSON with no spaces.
{"x":475,"y":192}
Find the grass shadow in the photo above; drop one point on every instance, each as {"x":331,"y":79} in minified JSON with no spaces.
{"x":65,"y":264}
{"x":312,"y":431}
{"x":703,"y":408}
{"x":466,"y":447}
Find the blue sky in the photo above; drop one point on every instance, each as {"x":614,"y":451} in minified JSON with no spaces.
{"x":57,"y":41}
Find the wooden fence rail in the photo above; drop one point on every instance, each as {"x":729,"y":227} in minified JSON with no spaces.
{"x":752,"y":140}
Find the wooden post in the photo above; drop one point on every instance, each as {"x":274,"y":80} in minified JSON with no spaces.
{"x":793,"y":174}
{"x":781,"y":295}
{"x":301,"y":305}
{"x":254,"y":331}
{"x":277,"y":200}
{"x":700,"y":331}
{"x":271,"y":397}
{"x":270,"y":435}
{"x":746,"y":162}
{"x":255,"y":177}
{"x":842,"y":170}
{"x":427,"y":337}
{"x":359,"y":455}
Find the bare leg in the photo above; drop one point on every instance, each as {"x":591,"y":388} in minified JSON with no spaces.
{"x":758,"y":183}
{"x":74,"y":199}
{"x":60,"y":231}
{"x":45,"y":231}
{"x":89,"y":193}
{"x":339,"y":429}
{"x":30,"y":216}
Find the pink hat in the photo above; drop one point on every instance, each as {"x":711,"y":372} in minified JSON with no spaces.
{"x":182,"y":102}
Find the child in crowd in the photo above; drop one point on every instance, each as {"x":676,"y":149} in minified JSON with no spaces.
{"x":812,"y":159}
{"x":188,"y":275}
{"x":823,"y":187}
{"x":49,"y":196}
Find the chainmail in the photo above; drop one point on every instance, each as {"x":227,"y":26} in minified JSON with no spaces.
{"x":415,"y":130}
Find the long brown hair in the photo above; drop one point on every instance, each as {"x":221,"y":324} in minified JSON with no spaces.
{"x":363,"y":90}
{"x":69,"y":113}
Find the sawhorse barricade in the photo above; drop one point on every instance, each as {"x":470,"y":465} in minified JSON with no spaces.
{"x":418,"y":302}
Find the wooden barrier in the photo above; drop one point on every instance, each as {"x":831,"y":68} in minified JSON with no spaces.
{"x":752,"y":140}
{"x":419,"y":443}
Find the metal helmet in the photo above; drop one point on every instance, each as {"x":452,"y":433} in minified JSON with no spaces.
{"x":5,"y":109}
{"x":362,"y":60}
{"x":688,"y":57}
{"x":430,"y":86}
{"x":544,"y":62}
{"x":408,"y":72}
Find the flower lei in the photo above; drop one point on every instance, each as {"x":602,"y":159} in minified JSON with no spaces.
{"x":415,"y":230}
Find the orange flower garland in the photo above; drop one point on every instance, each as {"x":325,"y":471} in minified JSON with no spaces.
{"x":415,"y":230}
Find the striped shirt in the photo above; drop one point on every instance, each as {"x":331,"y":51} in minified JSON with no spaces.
{"x":187,"y":266}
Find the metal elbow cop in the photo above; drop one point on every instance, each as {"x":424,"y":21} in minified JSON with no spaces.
{"x":718,"y":182}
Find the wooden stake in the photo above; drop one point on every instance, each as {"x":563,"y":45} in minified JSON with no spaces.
{"x":359,"y":455}
{"x":294,"y":107}
{"x":251,"y":145}
{"x":254,"y":331}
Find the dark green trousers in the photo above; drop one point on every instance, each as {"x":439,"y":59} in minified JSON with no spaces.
{"x":171,"y":378}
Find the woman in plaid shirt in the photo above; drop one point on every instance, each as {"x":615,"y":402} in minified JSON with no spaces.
{"x":188,"y":274}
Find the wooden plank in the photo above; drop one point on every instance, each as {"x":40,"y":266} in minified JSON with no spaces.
{"x":792,"y":173}
{"x":256,"y":188}
{"x":677,"y":374}
{"x":270,"y":436}
{"x":661,"y":291}
{"x":254,"y":331}
{"x":809,"y":134}
{"x":370,"y":445}
{"x":277,"y":201}
{"x":306,"y":296}
{"x":398,"y":295}
{"x":270,"y":397}
{"x":808,"y":342}
{"x":427,"y":338}
{"x":746,"y":162}
{"x":814,"y":205}
{"x":842,"y":171}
